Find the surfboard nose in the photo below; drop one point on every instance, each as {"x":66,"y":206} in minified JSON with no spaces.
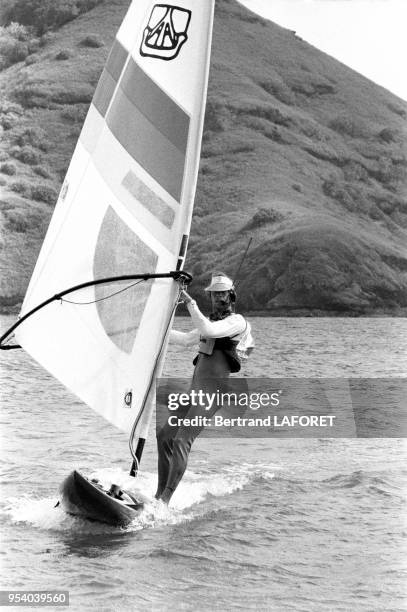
{"x":81,"y":497}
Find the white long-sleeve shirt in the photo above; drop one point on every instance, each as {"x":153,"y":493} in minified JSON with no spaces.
{"x":233,"y":325}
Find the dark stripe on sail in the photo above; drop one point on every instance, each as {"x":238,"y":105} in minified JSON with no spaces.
{"x":147,"y":144}
{"x":141,"y":112}
{"x":116,"y":60}
{"x":104,"y":92}
{"x":156,"y":106}
{"x":148,"y":199}
{"x":110,"y":76}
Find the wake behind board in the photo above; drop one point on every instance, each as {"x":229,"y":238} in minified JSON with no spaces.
{"x":89,"y":500}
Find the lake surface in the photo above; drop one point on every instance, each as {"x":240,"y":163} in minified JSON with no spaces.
{"x":258,"y":524}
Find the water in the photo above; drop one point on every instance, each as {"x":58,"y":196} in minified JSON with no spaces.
{"x":310,"y":525}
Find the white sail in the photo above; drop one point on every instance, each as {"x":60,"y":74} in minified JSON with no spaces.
{"x":125,"y":208}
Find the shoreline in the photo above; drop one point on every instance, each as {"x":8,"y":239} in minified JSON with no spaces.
{"x":400,"y":312}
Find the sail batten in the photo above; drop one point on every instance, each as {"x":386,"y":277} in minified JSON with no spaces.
{"x":125,"y":209}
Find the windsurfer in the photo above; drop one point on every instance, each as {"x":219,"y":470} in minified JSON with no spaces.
{"x":224,"y":338}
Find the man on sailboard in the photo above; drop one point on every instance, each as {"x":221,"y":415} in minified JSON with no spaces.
{"x":224,"y":340}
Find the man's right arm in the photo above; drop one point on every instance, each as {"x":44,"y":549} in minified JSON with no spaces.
{"x":184,"y":338}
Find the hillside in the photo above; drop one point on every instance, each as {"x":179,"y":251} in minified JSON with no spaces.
{"x":300,"y":152}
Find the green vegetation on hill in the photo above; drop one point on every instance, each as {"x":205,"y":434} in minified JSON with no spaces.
{"x":299,"y":152}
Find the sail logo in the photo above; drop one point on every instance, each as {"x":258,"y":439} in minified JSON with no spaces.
{"x":128,"y":399}
{"x":166,"y":32}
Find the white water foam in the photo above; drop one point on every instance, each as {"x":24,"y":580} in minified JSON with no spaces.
{"x":193,"y":490}
{"x":45,"y":515}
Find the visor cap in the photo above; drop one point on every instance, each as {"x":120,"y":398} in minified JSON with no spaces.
{"x":220,"y":282}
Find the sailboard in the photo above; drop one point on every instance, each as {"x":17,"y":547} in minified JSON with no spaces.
{"x":104,"y":290}
{"x":87,"y":498}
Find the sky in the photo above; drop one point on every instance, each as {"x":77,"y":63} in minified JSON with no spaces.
{"x":367,"y":35}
